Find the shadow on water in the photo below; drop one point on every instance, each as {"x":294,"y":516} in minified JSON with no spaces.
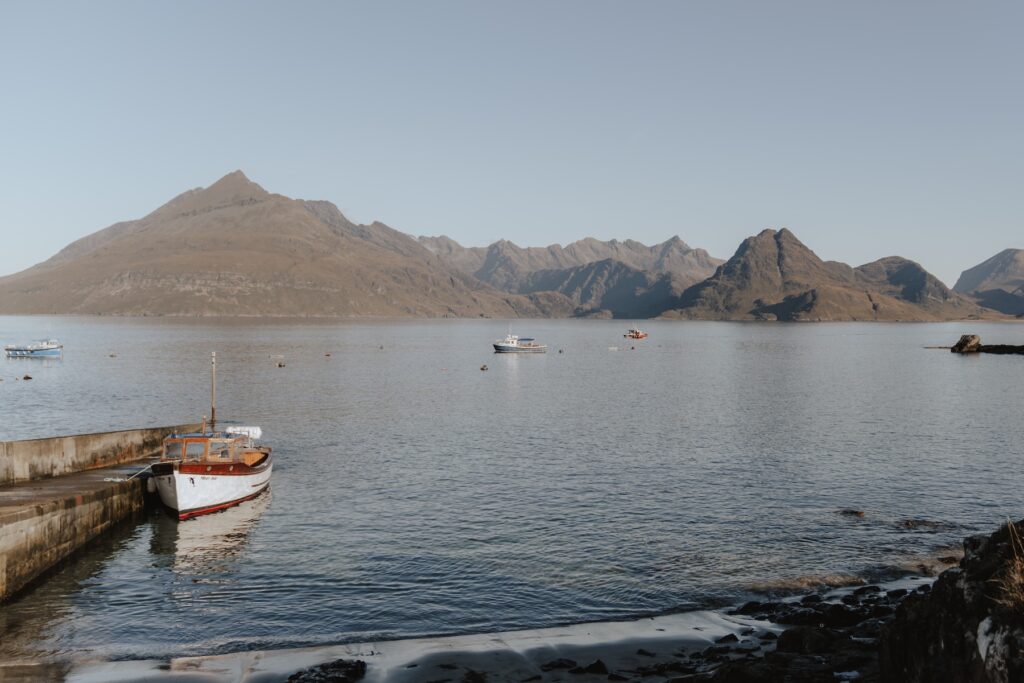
{"x":35,"y":626}
{"x":50,"y":598}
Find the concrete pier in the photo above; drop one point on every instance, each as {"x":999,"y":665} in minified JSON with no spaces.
{"x":60,"y":455}
{"x":43,"y":521}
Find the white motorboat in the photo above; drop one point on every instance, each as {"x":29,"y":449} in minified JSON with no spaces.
{"x":514,"y":344}
{"x":207,"y":471}
{"x":203,"y":472}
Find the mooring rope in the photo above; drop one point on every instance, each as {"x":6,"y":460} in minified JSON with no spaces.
{"x":129,"y":478}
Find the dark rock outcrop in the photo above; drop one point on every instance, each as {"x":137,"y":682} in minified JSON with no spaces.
{"x":971,"y":343}
{"x":828,"y":638}
{"x":968,"y":343}
{"x":969,"y":628}
{"x":338,"y":671}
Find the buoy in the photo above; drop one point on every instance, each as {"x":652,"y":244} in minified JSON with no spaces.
{"x":381,"y":347}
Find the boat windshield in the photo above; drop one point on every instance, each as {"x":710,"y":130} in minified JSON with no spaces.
{"x":172,"y":450}
{"x":195,"y":450}
{"x":222,"y":449}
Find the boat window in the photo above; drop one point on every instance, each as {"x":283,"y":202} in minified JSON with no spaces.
{"x":172,"y":450}
{"x":194,"y":450}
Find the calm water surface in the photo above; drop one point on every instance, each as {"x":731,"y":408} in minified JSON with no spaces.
{"x":414,"y":494}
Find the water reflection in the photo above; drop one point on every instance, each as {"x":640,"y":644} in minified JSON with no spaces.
{"x":209,"y":544}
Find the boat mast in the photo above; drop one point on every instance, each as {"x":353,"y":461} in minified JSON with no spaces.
{"x":213,"y":391}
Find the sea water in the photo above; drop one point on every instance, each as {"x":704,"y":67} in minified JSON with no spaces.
{"x":415,"y":493}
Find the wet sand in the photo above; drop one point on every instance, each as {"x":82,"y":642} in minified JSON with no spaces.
{"x":626,"y":646}
{"x":661,"y":648}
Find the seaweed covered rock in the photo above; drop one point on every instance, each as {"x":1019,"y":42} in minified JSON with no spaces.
{"x":970,"y":627}
{"x":338,"y":671}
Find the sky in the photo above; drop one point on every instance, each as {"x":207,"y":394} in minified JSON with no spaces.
{"x":868,"y":128}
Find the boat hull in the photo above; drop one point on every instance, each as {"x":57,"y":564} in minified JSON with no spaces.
{"x":507,"y":348}
{"x":191,"y":490}
{"x":33,"y":353}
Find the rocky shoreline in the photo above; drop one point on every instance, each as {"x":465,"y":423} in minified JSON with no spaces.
{"x":831,"y":636}
{"x":967,"y":627}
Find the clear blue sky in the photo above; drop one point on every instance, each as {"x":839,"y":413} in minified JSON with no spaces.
{"x":868,"y":128}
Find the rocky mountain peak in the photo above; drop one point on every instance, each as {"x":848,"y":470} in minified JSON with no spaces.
{"x":232,"y":190}
{"x":1003,"y":271}
{"x":774,"y":275}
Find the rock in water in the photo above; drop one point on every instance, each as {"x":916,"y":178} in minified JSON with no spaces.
{"x":969,"y":343}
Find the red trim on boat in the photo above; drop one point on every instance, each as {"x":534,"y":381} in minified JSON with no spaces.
{"x":220,"y":506}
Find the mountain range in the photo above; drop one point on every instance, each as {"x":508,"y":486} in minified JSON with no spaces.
{"x":235,"y":249}
{"x":997,"y":283}
{"x":774,"y":276}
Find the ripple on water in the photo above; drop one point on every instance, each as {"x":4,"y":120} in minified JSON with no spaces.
{"x":415,"y":495}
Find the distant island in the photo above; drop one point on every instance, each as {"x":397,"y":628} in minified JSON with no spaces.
{"x":234,"y":249}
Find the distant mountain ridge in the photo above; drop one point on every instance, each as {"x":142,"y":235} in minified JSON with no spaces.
{"x":509,"y":267}
{"x":235,"y":249}
{"x":609,"y":288}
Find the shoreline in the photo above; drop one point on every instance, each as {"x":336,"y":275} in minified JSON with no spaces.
{"x":656,"y":648}
{"x":615,"y":641}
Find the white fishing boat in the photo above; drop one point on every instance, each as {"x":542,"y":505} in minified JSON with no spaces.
{"x":513,"y":344}
{"x":43,"y":348}
{"x":209,"y":470}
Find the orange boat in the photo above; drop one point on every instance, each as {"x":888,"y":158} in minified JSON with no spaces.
{"x":634,"y":333}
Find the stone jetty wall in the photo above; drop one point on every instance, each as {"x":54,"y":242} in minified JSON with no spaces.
{"x":35,"y":538}
{"x":70,"y":501}
{"x":53,"y":457}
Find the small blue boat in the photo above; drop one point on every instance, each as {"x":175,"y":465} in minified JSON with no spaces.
{"x":44,"y":348}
